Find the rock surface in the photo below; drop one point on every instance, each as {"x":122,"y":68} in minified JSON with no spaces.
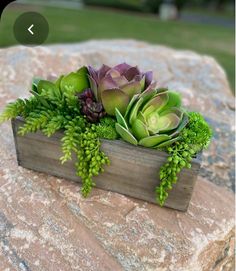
{"x":46,"y":225}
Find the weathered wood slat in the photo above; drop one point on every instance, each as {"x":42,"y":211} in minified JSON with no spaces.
{"x":133,"y":170}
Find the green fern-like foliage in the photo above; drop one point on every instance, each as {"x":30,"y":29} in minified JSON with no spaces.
{"x":31,"y":104}
{"x":56,"y":123}
{"x":13,"y":110}
{"x":21,"y":107}
{"x":54,"y":106}
{"x":36,"y":120}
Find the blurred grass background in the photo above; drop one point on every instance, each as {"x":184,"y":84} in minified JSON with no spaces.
{"x":75,"y":25}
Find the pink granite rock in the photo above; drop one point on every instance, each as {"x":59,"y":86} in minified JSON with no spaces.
{"x":45,"y":224}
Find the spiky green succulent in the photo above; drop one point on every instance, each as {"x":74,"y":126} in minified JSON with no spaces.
{"x":115,"y":87}
{"x":153,"y":119}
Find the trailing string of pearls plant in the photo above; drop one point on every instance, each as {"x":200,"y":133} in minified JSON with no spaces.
{"x":112,"y":103}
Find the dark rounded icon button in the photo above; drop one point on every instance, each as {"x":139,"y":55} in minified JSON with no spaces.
{"x":31,"y":29}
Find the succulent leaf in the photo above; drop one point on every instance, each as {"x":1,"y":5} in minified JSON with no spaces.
{"x":58,"y":81}
{"x":150,"y":110}
{"x":148,"y":94}
{"x":106,"y":82}
{"x":182,"y":124}
{"x":126,"y":135}
{"x":120,"y":119}
{"x":35,"y":84}
{"x":148,"y":78}
{"x":131,"y":103}
{"x":153,"y":122}
{"x":168,"y":122}
{"x":142,"y":83}
{"x":120,"y":81}
{"x":152,"y":141}
{"x":83,"y":71}
{"x":75,"y":81}
{"x":139,"y":129}
{"x":114,"y":98}
{"x":92,"y":73}
{"x":113,"y":73}
{"x":142,"y":117}
{"x":93,"y":86}
{"x":41,"y":99}
{"x":167,"y":143}
{"x":131,"y":73}
{"x":132,"y":88}
{"x":135,"y":110}
{"x":173,"y":101}
{"x":160,"y":90}
{"x":177,"y":111}
{"x":158,"y":101}
{"x":122,"y":68}
{"x":102,"y":71}
{"x":46,"y":85}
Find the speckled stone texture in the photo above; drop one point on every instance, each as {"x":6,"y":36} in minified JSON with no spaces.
{"x":45,"y":224}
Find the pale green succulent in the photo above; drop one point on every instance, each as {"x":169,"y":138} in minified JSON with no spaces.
{"x":152,"y":119}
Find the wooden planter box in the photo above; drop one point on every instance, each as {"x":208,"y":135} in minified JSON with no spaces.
{"x":133,"y":170}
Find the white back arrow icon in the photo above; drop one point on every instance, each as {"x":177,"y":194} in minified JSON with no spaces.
{"x":29,"y":29}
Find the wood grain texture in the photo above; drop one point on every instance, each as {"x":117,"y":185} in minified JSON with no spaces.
{"x":133,"y":170}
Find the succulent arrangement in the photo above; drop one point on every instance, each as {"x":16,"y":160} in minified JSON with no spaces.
{"x":115,"y":103}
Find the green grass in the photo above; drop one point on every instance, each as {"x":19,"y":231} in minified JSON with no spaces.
{"x":227,"y":13}
{"x":134,"y":5}
{"x":79,"y":25}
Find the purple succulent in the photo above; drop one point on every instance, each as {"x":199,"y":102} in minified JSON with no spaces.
{"x":114,"y":87}
{"x":92,"y":109}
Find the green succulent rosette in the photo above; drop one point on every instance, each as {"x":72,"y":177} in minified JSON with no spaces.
{"x":152,"y":119}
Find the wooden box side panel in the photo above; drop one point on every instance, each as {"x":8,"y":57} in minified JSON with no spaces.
{"x":133,"y":170}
